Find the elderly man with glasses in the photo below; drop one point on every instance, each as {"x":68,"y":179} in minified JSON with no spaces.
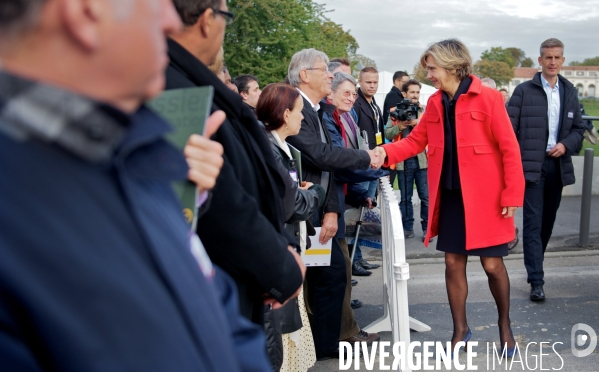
{"x":326,"y":285}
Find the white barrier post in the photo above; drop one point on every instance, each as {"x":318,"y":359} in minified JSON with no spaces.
{"x":396,"y":271}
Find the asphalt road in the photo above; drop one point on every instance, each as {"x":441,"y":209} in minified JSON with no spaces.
{"x":572,"y":282}
{"x":572,"y":291}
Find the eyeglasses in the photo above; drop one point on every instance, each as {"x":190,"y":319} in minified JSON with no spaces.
{"x":229,"y":17}
{"x":322,"y":69}
{"x":346,"y":93}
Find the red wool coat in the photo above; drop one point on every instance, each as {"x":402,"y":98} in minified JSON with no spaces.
{"x":490,"y":166}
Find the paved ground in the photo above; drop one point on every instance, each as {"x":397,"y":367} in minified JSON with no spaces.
{"x":572,"y":290}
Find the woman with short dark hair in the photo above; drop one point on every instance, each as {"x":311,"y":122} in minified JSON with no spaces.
{"x":475,"y":179}
{"x":280,"y":109}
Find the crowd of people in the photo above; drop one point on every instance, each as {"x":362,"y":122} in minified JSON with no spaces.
{"x":99,"y":271}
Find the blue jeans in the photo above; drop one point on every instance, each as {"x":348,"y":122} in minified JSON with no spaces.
{"x":405,"y":180}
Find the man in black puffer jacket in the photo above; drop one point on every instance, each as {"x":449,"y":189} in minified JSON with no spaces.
{"x":546,"y":118}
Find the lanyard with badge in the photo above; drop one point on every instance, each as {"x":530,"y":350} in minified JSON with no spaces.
{"x":378,"y":134}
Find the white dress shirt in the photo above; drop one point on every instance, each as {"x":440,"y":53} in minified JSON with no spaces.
{"x":553,"y":108}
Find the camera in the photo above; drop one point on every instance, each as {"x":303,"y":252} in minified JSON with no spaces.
{"x":406,"y":110}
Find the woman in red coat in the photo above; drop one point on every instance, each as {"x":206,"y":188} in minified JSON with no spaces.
{"x":475,"y":179}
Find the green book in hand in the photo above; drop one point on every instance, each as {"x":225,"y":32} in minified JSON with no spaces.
{"x":187,"y":110}
{"x":297,"y":155}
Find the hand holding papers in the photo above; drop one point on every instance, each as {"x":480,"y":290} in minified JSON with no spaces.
{"x":319,"y":254}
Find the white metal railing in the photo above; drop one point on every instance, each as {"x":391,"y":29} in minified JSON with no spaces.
{"x":396,"y":271}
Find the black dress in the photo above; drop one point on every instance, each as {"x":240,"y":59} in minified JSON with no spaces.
{"x":452,"y":218}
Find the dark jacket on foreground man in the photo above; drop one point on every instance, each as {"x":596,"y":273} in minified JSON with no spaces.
{"x":243,"y":228}
{"x":528,"y":112}
{"x":96,"y":272}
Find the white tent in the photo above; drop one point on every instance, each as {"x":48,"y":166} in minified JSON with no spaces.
{"x":386,"y":83}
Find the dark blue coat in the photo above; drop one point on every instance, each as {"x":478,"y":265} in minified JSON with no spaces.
{"x":96,"y":272}
{"x":528,"y":112}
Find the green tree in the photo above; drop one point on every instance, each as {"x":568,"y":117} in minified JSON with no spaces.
{"x":498,"y":54}
{"x":266,"y":34}
{"x":518,"y":55}
{"x":527,"y":62}
{"x":514,"y":57}
{"x":587,"y":62}
{"x":499,"y":71}
{"x":365,"y":61}
{"x":420,"y":74}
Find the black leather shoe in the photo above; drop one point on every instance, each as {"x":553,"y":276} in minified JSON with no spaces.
{"x":409,"y":234}
{"x":358,"y":270}
{"x":354,"y":282}
{"x":367,"y":265}
{"x":333,"y":355}
{"x":536,"y":293}
{"x":355,"y":304}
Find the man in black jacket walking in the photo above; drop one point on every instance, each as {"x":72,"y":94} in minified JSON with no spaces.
{"x":243,"y":229}
{"x":546,"y":118}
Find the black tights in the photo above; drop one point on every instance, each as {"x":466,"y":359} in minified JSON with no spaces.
{"x":457,"y":291}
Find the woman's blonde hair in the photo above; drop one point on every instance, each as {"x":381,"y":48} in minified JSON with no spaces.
{"x":219,"y":63}
{"x":452,"y":55}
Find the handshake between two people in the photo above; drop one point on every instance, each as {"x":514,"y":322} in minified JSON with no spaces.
{"x":377,"y":157}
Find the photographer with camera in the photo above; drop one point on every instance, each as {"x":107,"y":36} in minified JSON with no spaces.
{"x":402,"y":120}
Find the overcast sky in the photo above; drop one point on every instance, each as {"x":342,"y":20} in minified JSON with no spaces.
{"x":394,"y":33}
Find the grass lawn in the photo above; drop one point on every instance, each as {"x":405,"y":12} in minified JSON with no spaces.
{"x":591,"y":107}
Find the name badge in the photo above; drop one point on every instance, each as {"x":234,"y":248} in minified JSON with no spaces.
{"x":294,"y":177}
{"x":379,"y":138}
{"x":570,"y":115}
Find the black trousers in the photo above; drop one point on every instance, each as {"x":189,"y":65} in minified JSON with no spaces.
{"x":541,"y":201}
{"x":325,"y":290}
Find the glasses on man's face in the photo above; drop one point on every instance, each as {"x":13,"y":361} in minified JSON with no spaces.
{"x":321,"y":69}
{"x":228,"y":16}
{"x":355,"y":94}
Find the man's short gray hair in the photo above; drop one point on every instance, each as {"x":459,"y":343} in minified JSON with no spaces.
{"x":302,"y":60}
{"x":489,"y":82}
{"x":18,"y":16}
{"x":334,"y":65}
{"x":551,"y":43}
{"x":340,"y":78}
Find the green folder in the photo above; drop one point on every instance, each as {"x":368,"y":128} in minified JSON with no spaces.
{"x":187,"y":110}
{"x":297,"y":155}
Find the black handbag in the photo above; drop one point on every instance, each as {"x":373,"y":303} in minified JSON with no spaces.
{"x":289,"y":317}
